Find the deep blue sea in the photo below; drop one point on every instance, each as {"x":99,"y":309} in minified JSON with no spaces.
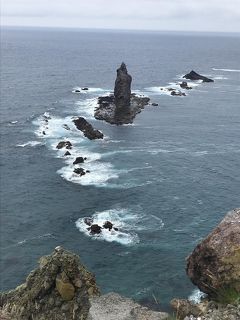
{"x":165,"y":181}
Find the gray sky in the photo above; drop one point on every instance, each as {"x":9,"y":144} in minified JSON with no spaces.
{"x":188,"y":15}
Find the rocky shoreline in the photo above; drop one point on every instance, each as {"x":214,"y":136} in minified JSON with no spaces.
{"x":61,"y":287}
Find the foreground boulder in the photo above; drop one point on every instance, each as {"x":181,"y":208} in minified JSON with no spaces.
{"x":195,"y":76}
{"x":112,"y":306}
{"x":122,"y":106}
{"x":214,"y":265}
{"x":58,"y":289}
{"x":87,"y":129}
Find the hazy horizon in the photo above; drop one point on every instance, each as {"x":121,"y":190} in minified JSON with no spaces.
{"x":143,"y":15}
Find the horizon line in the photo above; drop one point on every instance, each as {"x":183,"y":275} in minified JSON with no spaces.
{"x":118,"y":29}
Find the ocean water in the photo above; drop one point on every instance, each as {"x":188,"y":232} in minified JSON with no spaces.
{"x":164,"y":181}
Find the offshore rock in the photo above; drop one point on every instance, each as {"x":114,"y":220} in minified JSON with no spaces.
{"x":195,"y":76}
{"x":87,"y":129}
{"x":108,"y":111}
{"x":122,"y":106}
{"x":122,"y":89}
{"x":184,"y":85}
{"x":64,"y":144}
{"x":214,"y":265}
{"x":58,"y":289}
{"x":112,"y":306}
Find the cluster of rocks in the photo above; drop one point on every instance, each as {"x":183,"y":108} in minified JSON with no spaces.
{"x":80,"y":90}
{"x":94,"y":228}
{"x":184,"y":85}
{"x":122,"y":106}
{"x":68,"y":145}
{"x":87,"y":129}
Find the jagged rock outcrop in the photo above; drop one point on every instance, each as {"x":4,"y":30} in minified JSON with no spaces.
{"x":112,"y":306}
{"x":192,"y":75}
{"x":87,"y":129}
{"x":58,"y":289}
{"x":122,"y":89}
{"x":214,"y":265}
{"x":122,"y":106}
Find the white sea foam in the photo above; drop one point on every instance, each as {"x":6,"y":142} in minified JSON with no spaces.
{"x":14,"y":122}
{"x":226,"y":70}
{"x":128,"y":221}
{"x":196,"y":296}
{"x":87,"y":107}
{"x":29,"y":144}
{"x":220,"y":78}
{"x":121,"y":218}
{"x":100,"y":173}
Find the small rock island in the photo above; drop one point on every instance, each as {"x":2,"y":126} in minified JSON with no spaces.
{"x":122,"y":106}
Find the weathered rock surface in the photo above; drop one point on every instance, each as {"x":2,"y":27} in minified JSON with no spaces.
{"x":108,"y":111}
{"x":123,"y":106}
{"x":229,"y":312}
{"x":122,"y":89}
{"x":214,"y":265}
{"x":87,"y":129}
{"x":195,"y":76}
{"x":58,"y":289}
{"x":112,"y":306}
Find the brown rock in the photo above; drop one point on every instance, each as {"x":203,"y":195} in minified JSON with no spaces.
{"x":65,"y":287}
{"x":214,"y":265}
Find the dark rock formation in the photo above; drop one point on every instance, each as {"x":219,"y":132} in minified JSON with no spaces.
{"x":79,"y":171}
{"x":84,"y":88}
{"x":95,"y":229}
{"x":67,"y":154}
{"x":78,"y":160}
{"x":64,"y":144}
{"x":87,"y":129}
{"x":214,"y":265}
{"x":123,"y":106}
{"x":178,"y":93}
{"x":77,"y":91}
{"x":122,"y":89}
{"x":195,"y":76}
{"x":108,"y":111}
{"x":154,"y":104}
{"x":108,"y":225}
{"x":184,"y":85}
{"x":58,"y":289}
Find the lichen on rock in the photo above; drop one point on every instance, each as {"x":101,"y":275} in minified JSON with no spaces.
{"x":58,"y":289}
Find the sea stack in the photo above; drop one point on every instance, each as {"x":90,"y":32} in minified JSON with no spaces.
{"x":122,"y":89}
{"x":122,"y":106}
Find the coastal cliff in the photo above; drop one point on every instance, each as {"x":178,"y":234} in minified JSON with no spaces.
{"x":61,"y":288}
